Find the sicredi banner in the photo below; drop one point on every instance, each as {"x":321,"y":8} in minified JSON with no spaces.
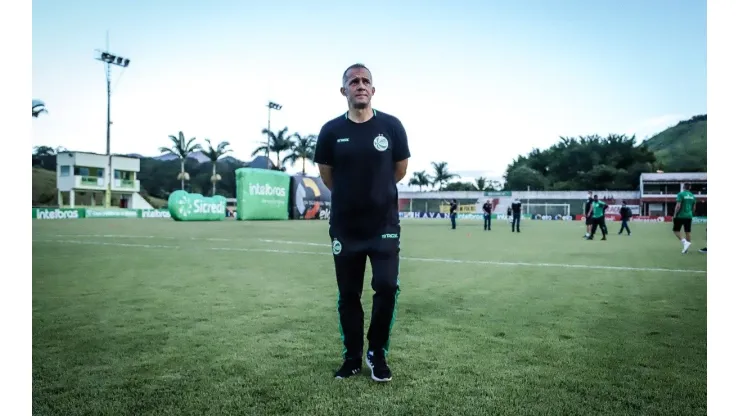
{"x":261,"y":194}
{"x":184,"y":206}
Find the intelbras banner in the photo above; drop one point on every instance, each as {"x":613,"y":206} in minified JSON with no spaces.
{"x":261,"y":194}
{"x":310,"y":199}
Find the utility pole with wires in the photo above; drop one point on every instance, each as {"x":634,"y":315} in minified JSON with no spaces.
{"x":109,"y":59}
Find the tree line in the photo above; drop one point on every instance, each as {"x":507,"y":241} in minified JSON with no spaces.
{"x":158,"y":178}
{"x":613,"y":162}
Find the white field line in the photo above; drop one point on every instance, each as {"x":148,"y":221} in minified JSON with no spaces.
{"x":421,"y":259}
{"x":299,"y":243}
{"x":506,"y":263}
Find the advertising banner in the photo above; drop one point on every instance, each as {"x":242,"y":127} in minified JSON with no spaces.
{"x":111,"y":213}
{"x":57,"y":213}
{"x":154,"y":213}
{"x":309,"y":199}
{"x":184,"y":206}
{"x":439,"y":215}
{"x":261,"y":194}
{"x":635,"y":218}
{"x":614,"y":209}
{"x":461,"y":209}
{"x":557,"y":217}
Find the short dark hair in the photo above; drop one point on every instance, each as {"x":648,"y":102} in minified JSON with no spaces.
{"x":353,"y":66}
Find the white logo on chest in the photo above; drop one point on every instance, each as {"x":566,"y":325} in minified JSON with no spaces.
{"x":380,"y":143}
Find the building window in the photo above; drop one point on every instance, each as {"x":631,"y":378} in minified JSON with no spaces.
{"x":123,"y":174}
{"x":673,"y":188}
{"x":653,"y":189}
{"x":64,"y":170}
{"x":700,"y":188}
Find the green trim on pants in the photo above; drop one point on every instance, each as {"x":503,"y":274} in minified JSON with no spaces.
{"x":341,"y":331}
{"x":387,"y":345}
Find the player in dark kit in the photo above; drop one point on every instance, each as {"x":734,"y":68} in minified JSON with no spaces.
{"x":587,"y":211}
{"x":487,"y":207}
{"x":516,"y":212}
{"x":362,"y":155}
{"x":625,"y":213}
{"x":453,"y":213}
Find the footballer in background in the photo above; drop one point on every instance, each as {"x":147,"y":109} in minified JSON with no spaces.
{"x":587,"y":213}
{"x":683,"y":216}
{"x":597,"y":212}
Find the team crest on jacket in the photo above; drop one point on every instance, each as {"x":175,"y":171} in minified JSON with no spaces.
{"x":336,"y":247}
{"x":380,"y":143}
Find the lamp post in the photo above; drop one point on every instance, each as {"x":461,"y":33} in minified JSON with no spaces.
{"x":109,"y":59}
{"x":270,"y":106}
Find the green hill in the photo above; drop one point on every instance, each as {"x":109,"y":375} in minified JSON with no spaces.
{"x":44,"y":187}
{"x":683,"y":147}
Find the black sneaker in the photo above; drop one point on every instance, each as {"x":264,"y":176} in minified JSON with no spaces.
{"x":379,"y":370}
{"x":350,"y":367}
{"x":703,"y":250}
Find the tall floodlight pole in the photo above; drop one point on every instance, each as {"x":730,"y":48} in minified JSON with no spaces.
{"x":109,"y":59}
{"x":270,"y":106}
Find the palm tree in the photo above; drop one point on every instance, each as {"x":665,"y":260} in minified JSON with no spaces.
{"x":37,"y":107}
{"x":303,"y":148}
{"x":482,"y":183}
{"x":420,"y":179}
{"x":214,"y":154}
{"x":277,"y":143}
{"x":181,"y":149}
{"x":441,"y":174}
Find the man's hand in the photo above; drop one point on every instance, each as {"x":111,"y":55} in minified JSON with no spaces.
{"x":401,"y":167}
{"x":325,"y":172}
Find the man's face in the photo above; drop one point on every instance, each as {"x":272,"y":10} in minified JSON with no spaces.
{"x":358,"y":88}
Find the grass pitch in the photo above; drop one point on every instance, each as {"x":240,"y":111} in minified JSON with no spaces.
{"x":154,"y":317}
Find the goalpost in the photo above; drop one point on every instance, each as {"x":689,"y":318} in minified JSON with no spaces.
{"x":546,"y":209}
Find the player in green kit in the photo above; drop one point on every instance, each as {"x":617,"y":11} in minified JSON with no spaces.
{"x":596,"y":213}
{"x":683,"y":216}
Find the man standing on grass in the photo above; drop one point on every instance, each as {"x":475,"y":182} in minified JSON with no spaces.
{"x":362,"y":155}
{"x":516,"y":212}
{"x":453,"y":213}
{"x":487,"y":207}
{"x":587,"y":211}
{"x":683,"y":216}
{"x":625,"y":213}
{"x":597,"y":217}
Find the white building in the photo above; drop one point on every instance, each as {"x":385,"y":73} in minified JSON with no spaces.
{"x":658,"y":191}
{"x":83,"y":173}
